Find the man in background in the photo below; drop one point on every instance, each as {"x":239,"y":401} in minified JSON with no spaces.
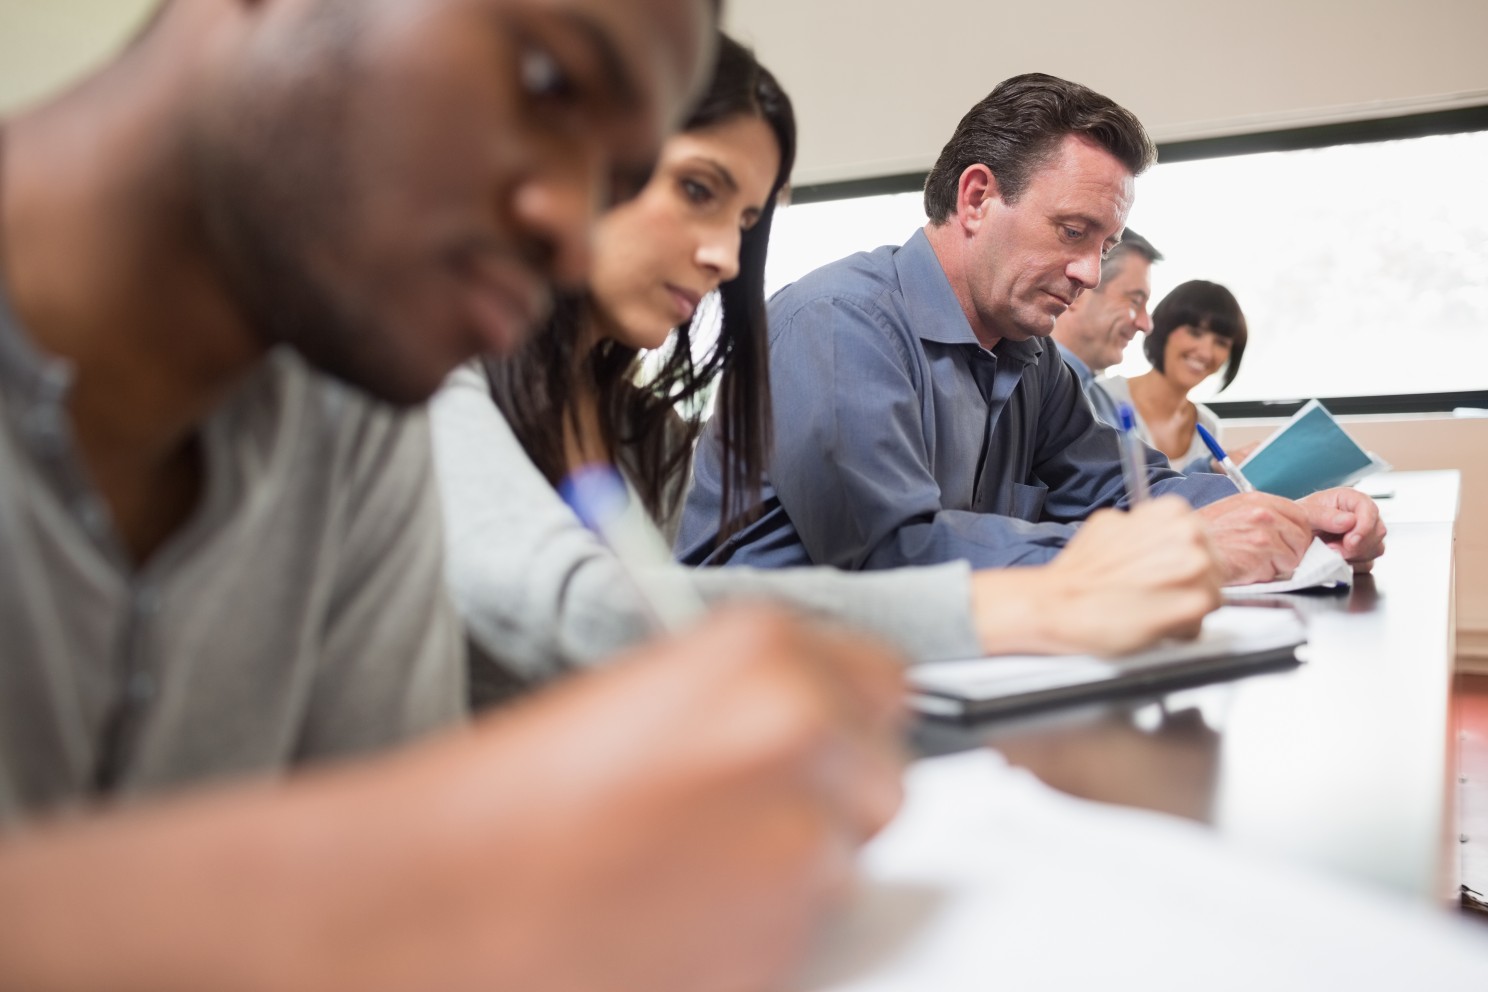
{"x":1092,"y":334}
{"x":229,"y":263}
{"x":920,"y":416}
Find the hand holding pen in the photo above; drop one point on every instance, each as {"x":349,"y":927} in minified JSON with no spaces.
{"x":1133,"y":456}
{"x":602,"y":500}
{"x":1230,"y":469}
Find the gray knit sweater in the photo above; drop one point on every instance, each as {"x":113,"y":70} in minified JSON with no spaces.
{"x":540,"y":593}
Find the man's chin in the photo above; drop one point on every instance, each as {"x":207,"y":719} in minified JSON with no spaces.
{"x":406,"y":386}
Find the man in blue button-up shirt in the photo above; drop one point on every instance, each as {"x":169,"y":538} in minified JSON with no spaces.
{"x":919,"y":414}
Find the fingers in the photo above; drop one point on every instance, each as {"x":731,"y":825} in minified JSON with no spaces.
{"x":1258,"y":537}
{"x":838,"y":712}
{"x":1130,"y":579}
{"x":1351,"y":522}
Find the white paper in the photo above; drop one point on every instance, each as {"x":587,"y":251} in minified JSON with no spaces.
{"x":989,"y":880}
{"x":1320,"y":567}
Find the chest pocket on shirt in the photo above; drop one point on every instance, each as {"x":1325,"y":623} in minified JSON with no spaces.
{"x":1026,"y":502}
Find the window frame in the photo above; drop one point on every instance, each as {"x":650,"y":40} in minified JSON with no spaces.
{"x":1457,"y":121}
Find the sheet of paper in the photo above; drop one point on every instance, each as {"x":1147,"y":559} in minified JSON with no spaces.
{"x":1321,"y":567}
{"x":989,"y":880}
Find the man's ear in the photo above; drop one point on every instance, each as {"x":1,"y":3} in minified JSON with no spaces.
{"x":977,"y":193}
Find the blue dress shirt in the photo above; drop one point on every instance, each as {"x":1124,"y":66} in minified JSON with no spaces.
{"x":1100,"y":400}
{"x":899,"y":440}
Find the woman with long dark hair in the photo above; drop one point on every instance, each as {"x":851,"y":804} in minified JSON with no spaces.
{"x":604,"y":383}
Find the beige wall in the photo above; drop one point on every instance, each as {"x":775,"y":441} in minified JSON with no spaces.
{"x":1431,"y":442}
{"x":46,"y":43}
{"x":880,"y":84}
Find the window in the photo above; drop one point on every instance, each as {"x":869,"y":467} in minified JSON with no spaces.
{"x":1362,"y":268}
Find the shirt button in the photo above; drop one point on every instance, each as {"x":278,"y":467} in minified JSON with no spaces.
{"x":92,"y":515}
{"x":54,"y":379}
{"x":147,"y":601}
{"x":141,"y":687}
{"x":43,"y":427}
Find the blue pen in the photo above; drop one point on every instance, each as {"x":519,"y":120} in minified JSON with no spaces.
{"x":1231,"y":470}
{"x":1133,"y":456}
{"x":600,"y":497}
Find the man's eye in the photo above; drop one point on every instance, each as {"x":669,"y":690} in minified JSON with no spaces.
{"x":626,"y":183}
{"x":542,"y":76}
{"x":1073,"y":233}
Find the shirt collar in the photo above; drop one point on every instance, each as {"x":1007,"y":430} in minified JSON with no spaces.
{"x":1080,"y":368}
{"x":934,"y":312}
{"x":27,"y":372}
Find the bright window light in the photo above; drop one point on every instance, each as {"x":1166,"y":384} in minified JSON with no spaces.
{"x":1362,"y":269}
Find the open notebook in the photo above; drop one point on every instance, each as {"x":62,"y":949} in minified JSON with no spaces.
{"x":1234,"y":640}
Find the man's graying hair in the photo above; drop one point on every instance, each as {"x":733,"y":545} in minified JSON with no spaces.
{"x":1131,"y":243}
{"x":1017,"y":129}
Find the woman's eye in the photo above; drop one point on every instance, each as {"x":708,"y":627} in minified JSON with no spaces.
{"x":542,"y":76}
{"x":696,"y":192}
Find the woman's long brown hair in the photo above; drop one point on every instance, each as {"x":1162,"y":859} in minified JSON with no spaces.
{"x":537,"y":388}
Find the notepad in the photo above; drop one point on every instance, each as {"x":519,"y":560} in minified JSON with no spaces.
{"x":1309,"y":453}
{"x":1320,"y":568}
{"x":990,"y":880}
{"x":1235,"y":640}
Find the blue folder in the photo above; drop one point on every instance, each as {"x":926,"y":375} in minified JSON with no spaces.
{"x":1309,"y":453}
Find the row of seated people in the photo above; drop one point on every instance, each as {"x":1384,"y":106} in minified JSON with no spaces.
{"x":237,"y":260}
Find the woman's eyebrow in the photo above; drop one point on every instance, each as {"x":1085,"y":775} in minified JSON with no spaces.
{"x":723,"y":171}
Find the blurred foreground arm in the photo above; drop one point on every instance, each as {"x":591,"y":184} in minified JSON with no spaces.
{"x":1124,"y":581}
{"x":676,"y":822}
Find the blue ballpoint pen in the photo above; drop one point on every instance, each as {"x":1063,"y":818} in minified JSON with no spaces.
{"x":600,"y":497}
{"x":1231,"y":470}
{"x":1133,"y":456}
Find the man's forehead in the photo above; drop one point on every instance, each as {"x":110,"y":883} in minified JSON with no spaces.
{"x":1083,"y":177}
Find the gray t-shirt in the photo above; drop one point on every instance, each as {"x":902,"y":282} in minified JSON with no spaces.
{"x":299,"y":614}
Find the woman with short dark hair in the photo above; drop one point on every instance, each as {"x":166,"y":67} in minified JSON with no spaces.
{"x":1198,"y":330}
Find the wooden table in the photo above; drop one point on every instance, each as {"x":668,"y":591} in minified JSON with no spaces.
{"x":1343,"y":762}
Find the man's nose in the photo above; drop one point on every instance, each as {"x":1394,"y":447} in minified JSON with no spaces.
{"x":1085,"y":270}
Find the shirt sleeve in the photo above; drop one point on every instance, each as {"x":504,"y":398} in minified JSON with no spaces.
{"x":1082,"y":464}
{"x":392,"y":662}
{"x":853,"y":470}
{"x":541,"y":594}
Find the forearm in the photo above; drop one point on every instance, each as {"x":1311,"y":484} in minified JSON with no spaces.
{"x":985,"y":540}
{"x":925,"y":611}
{"x":335,"y":881}
{"x":1014,"y":613}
